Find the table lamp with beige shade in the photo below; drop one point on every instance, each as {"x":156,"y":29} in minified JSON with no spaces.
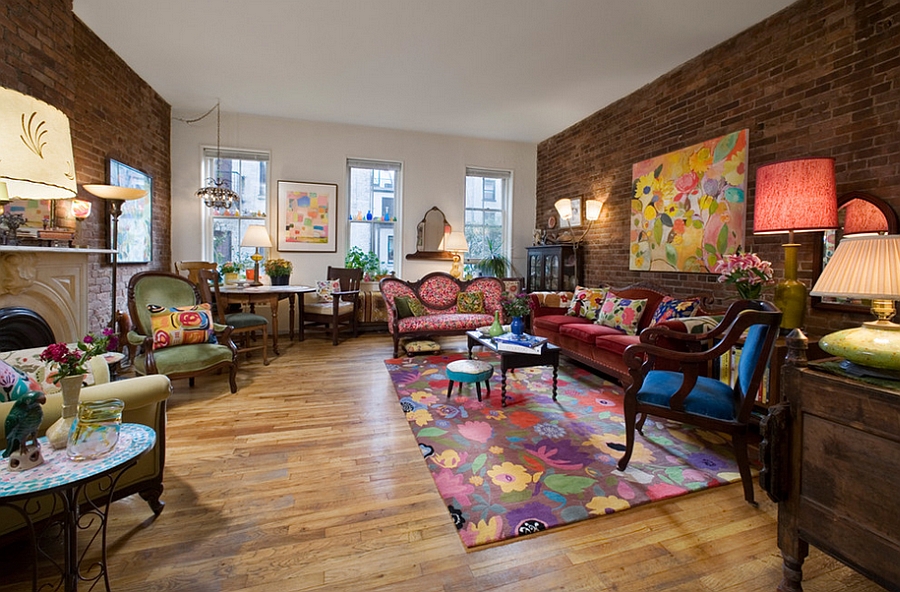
{"x":256,"y":236}
{"x":457,"y":244}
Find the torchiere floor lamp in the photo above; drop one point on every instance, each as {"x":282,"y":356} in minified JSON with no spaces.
{"x":116,"y":196}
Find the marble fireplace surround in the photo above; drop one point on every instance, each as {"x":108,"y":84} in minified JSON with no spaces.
{"x":52,"y":282}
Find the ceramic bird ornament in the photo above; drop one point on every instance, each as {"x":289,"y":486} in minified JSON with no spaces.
{"x":21,"y":426}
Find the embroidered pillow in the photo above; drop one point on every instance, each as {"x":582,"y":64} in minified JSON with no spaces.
{"x":409,"y":306}
{"x":470,"y":302}
{"x":586,"y":301}
{"x":623,"y":314}
{"x":14,"y":383}
{"x":181,"y":325}
{"x":324,"y":289}
{"x":674,"y":308}
{"x":425,"y":346}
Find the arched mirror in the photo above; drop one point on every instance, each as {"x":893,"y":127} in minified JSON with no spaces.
{"x":430,"y":234}
{"x":858,"y":213}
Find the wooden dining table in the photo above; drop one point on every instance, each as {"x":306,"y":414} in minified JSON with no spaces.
{"x":270,"y":295}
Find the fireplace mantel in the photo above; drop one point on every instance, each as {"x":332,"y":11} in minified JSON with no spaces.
{"x":52,"y":281}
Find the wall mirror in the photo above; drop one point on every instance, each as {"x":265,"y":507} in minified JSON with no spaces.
{"x":858,"y":213}
{"x":430,"y":236}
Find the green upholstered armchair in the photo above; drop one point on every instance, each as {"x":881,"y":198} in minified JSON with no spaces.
{"x":167,"y":290}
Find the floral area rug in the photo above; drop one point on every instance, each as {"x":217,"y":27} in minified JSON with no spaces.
{"x":537,"y":463}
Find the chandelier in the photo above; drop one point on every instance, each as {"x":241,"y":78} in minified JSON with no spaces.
{"x":217,"y":193}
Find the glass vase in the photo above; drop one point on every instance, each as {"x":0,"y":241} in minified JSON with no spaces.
{"x":496,"y":329}
{"x":96,"y":429}
{"x":58,"y":433}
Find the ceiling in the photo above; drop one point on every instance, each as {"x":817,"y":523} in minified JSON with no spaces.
{"x":518,"y":70}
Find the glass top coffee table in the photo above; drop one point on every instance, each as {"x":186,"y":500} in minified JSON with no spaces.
{"x":548,"y":355}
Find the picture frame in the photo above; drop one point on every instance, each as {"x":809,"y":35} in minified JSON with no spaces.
{"x":577,"y":216}
{"x":135,"y":240}
{"x":307,"y":216}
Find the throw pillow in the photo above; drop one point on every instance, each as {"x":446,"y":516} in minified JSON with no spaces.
{"x":623,"y":314}
{"x":471,"y":302}
{"x":181,"y":325}
{"x":675,"y":308}
{"x":14,"y":383}
{"x":325,"y":289}
{"x":586,"y":301}
{"x":422,"y":346}
{"x":409,"y":306}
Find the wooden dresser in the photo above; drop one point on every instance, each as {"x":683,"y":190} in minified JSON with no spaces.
{"x":832,"y":462}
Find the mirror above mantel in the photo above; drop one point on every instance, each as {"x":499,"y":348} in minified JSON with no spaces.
{"x":430,"y":234}
{"x":858,"y":213}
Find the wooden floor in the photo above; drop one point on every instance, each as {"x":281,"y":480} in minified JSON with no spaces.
{"x":309,"y":479}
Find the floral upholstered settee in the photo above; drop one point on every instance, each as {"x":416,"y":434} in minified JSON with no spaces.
{"x":439,"y":304}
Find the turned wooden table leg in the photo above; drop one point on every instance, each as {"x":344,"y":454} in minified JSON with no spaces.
{"x":792,"y":574}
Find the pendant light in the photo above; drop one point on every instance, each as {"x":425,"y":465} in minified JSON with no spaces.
{"x":217,"y":194}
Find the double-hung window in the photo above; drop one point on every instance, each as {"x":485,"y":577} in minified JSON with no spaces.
{"x":245,"y":172}
{"x":373,"y":194}
{"x":487,"y":207}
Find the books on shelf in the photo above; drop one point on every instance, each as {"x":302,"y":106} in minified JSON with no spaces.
{"x":523,"y":344}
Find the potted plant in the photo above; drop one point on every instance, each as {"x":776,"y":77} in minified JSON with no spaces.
{"x":279,"y":271}
{"x":495,"y":264}
{"x":230,"y":271}
{"x":356,"y":258}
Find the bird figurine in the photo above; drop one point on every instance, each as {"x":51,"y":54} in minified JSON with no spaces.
{"x":21,"y":426}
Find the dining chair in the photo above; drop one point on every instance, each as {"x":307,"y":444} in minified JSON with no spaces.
{"x":245,"y":324}
{"x":339,"y":309}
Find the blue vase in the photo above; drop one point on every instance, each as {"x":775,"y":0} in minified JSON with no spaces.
{"x":517,"y":326}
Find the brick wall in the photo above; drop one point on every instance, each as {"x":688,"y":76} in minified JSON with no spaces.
{"x":46,"y":52}
{"x":820,"y":78}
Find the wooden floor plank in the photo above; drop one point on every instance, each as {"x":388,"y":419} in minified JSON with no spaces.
{"x":309,"y":479}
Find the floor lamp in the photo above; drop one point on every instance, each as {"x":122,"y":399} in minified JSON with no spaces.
{"x":116,"y":196}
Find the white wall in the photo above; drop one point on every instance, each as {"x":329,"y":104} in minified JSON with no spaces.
{"x":433,"y":175}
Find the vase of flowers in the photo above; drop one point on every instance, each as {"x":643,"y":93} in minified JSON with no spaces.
{"x":70,"y":370}
{"x":279,"y":271}
{"x":230,"y":271}
{"x":747,"y":272}
{"x":516,"y":306}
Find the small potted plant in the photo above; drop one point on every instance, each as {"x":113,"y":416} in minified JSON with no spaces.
{"x":230,"y":271}
{"x":356,"y":258}
{"x":279,"y":271}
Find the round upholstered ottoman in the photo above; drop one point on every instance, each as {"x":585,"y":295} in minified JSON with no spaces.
{"x":463,"y":371}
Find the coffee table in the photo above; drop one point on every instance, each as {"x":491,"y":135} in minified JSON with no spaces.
{"x":548,"y":356}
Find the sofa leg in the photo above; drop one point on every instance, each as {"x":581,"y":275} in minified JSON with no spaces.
{"x":151,"y":496}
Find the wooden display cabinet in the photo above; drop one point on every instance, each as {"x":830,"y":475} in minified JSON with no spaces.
{"x":554,"y":268}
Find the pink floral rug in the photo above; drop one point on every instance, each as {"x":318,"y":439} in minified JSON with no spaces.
{"x":535,"y":464}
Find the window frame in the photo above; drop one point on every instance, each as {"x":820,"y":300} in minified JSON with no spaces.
{"x":505,"y":195}
{"x":393,"y":241}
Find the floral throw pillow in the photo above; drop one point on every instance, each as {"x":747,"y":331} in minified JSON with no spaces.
{"x":14,"y":383}
{"x":470,"y":302}
{"x":674,"y":308}
{"x":181,"y":325}
{"x":325,"y":289}
{"x":586,"y":301}
{"x":623,"y":314}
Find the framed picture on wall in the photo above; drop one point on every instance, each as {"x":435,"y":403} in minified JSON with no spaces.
{"x":307,"y":216}
{"x":135,"y":239}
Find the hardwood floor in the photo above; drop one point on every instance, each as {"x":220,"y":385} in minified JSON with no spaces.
{"x":308,"y":478}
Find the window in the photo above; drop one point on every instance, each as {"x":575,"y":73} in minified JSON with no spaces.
{"x":487,"y":197}
{"x":247,"y":174}
{"x":373,"y":196}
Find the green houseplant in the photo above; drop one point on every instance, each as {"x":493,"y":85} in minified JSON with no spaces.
{"x":356,"y":258}
{"x":279,"y":271}
{"x":495,"y":263}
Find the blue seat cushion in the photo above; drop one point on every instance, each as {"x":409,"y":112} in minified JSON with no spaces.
{"x":710,"y":397}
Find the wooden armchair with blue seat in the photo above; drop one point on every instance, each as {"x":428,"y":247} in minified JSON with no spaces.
{"x":688,"y":395}
{"x":178,"y":343}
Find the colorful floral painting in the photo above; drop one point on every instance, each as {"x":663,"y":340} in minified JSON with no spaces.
{"x":688,"y":207}
{"x":538,"y":463}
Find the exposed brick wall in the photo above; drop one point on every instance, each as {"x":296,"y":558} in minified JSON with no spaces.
{"x":820,"y":78}
{"x":46,"y":52}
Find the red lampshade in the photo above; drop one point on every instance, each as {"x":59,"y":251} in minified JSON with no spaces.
{"x":795,"y":195}
{"x":863,"y":217}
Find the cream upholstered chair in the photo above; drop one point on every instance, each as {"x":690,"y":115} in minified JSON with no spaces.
{"x":342,"y":309}
{"x":244,"y":324}
{"x":166,"y":292}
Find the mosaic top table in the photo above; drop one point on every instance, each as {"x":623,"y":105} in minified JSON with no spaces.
{"x":65,"y":480}
{"x":547,"y":356}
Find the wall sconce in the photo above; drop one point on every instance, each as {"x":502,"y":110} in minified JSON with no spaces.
{"x":81,"y":209}
{"x":592,"y":209}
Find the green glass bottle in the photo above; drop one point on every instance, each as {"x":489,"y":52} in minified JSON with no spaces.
{"x":496,"y":328}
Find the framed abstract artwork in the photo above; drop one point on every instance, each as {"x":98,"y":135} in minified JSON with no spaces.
{"x":307,"y":216}
{"x":135,"y":239}
{"x":688,"y":207}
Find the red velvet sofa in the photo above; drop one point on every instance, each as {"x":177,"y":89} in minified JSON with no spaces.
{"x":599,"y":346}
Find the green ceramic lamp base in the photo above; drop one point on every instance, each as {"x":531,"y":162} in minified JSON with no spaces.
{"x":875,"y":345}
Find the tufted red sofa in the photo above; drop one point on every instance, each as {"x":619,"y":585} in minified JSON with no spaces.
{"x":438,"y":292}
{"x":598,"y":346}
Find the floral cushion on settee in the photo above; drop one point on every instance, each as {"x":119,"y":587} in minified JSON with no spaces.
{"x":41,"y":374}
